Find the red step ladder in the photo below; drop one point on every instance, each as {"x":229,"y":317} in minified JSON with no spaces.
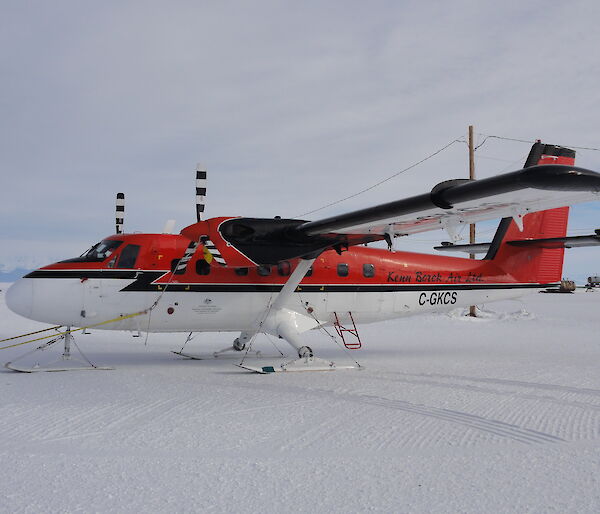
{"x":340,"y":329}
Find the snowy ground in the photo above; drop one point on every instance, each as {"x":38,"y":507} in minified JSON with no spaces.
{"x":500,"y":414}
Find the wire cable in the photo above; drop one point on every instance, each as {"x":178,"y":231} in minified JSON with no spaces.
{"x":160,"y":295}
{"x":31,"y":333}
{"x":490,"y":136}
{"x":457,"y":140}
{"x":440,"y":150}
{"x":187,"y":340}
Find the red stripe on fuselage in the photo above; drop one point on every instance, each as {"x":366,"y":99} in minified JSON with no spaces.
{"x":158,"y":251}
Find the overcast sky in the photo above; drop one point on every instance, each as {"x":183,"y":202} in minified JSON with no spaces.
{"x":290,"y":105}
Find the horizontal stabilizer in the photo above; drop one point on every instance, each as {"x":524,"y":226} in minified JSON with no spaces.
{"x":470,"y":248}
{"x":549,"y":243}
{"x":559,"y":242}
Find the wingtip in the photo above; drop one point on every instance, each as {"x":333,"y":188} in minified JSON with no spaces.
{"x":561,"y":177}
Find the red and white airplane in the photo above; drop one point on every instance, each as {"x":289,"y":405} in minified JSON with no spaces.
{"x":287,"y":276}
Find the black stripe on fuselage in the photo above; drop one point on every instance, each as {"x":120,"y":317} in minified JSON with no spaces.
{"x":326,"y":288}
{"x":145,"y":281}
{"x":108,"y":274}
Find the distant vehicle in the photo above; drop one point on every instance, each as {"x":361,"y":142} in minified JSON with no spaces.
{"x":592,"y":282}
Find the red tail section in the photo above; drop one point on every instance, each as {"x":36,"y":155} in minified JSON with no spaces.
{"x":539,"y":265}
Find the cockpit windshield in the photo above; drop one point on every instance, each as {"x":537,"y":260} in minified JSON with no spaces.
{"x":98,"y":252}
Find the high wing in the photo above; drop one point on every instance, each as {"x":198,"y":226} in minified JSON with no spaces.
{"x":448,"y":205}
{"x":459,"y":202}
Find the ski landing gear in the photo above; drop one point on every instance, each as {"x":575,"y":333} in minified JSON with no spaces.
{"x":231,"y":352}
{"x":66,"y":362}
{"x":288,"y":324}
{"x":308,"y":362}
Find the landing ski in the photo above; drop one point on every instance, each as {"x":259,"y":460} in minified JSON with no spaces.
{"x":47,"y":369}
{"x":302,"y":364}
{"x":223,"y":356}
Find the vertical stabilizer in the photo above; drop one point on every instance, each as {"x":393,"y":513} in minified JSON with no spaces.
{"x":542,"y":265}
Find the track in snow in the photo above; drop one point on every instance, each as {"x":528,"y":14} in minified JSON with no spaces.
{"x":432,"y":408}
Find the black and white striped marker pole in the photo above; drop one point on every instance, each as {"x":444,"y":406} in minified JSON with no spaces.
{"x":120,"y":212}
{"x":200,"y":191}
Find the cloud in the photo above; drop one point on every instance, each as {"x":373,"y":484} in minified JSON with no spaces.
{"x":290,"y":106}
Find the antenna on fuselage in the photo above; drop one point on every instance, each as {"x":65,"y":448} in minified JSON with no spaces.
{"x":200,"y":190}
{"x":120,"y":213}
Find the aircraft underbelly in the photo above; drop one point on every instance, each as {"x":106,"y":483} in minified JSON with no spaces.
{"x":242,"y":311}
{"x":388,"y":305}
{"x":81,"y":303}
{"x":355,"y":302}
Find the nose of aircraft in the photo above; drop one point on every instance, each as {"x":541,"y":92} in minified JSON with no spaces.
{"x":19,"y":297}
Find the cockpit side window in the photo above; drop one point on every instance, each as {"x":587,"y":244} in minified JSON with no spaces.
{"x":128,"y":256}
{"x":99,"y":252}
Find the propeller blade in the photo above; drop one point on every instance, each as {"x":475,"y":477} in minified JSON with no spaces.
{"x":120,"y":212}
{"x":169,"y":226}
{"x":200,"y":191}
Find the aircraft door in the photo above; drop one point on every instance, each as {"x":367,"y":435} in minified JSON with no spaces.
{"x":91,"y":289}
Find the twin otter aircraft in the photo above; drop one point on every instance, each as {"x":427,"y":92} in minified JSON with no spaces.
{"x":287,"y":276}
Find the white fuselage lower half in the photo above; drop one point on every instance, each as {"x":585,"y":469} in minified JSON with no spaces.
{"x":71,"y":302}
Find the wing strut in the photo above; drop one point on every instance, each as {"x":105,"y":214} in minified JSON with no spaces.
{"x":279,"y":320}
{"x":292,"y":283}
{"x":288,"y":324}
{"x":283,"y":322}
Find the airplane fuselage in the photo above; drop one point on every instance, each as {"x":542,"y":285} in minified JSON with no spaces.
{"x":372,"y":284}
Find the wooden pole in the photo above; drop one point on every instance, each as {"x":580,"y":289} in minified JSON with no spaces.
{"x":472,"y":177}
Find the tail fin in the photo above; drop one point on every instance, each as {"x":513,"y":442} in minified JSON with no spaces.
{"x":539,"y":265}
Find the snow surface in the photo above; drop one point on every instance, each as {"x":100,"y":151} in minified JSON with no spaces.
{"x":450,"y":414}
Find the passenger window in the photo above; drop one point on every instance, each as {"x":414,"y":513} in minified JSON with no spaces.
{"x":264,"y":271}
{"x":283,"y":268}
{"x":128,"y":256}
{"x":242,"y":272}
{"x":202,"y":267}
{"x":369,"y":270}
{"x":343,"y":270}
